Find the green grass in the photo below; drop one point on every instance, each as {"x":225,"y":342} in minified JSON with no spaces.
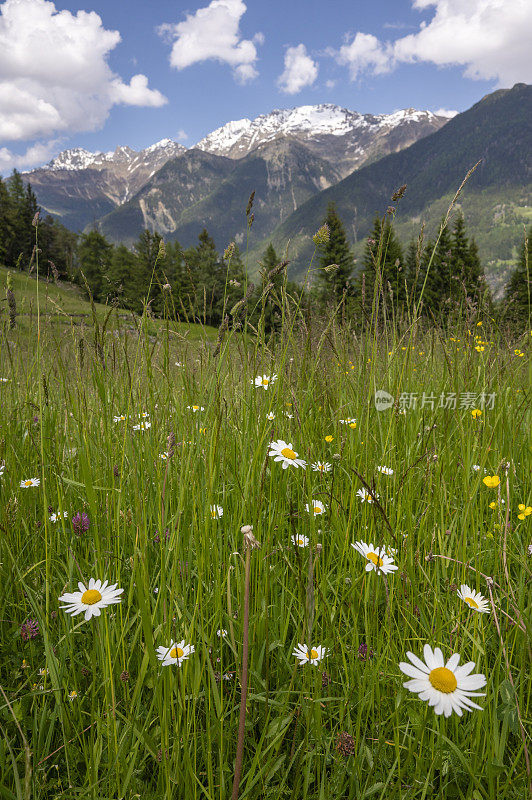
{"x":138,"y":729}
{"x":64,"y":305}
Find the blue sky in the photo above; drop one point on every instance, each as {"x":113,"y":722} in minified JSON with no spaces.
{"x":201,"y":64}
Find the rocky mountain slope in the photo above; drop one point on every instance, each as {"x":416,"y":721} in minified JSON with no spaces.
{"x":79,"y":187}
{"x":345,"y":138}
{"x":496,"y":201}
{"x":214,"y":190}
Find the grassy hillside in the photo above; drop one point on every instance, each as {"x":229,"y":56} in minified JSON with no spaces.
{"x":64,"y":306}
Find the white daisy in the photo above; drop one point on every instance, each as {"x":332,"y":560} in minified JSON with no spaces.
{"x":221,"y":633}
{"x":142,"y":426}
{"x":300,"y":541}
{"x":57,"y":516}
{"x":365,"y":496}
{"x":264,"y":380}
{"x":475,"y":467}
{"x":385,"y":470}
{"x":179,"y":364}
{"x":216,"y":512}
{"x":30,"y":482}
{"x":120,"y":418}
{"x":289,"y":416}
{"x":377,"y":558}
{"x":175,"y":654}
{"x":164,"y":456}
{"x":281,"y":451}
{"x":144,"y":415}
{"x":447,"y":687}
{"x":270,"y":416}
{"x":350,"y":421}
{"x":310,"y":655}
{"x":2,"y":469}
{"x":90,"y":599}
{"x":195,"y":408}
{"x":322,"y":466}
{"x":73,"y":695}
{"x":316,"y":508}
{"x":473,"y":599}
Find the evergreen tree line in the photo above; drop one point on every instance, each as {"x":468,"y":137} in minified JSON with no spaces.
{"x":439,"y":277}
{"x":56,"y":244}
{"x":199,"y":284}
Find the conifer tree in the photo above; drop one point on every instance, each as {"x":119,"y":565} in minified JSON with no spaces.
{"x":6,"y":224}
{"x":122,"y":277}
{"x":335,"y":251}
{"x":94,"y":255}
{"x":518,"y":294}
{"x":148,"y":271}
{"x":208,"y":275}
{"x":383,"y":264}
{"x":272,"y":299}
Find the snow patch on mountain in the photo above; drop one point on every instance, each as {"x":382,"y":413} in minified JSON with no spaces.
{"x":78,"y":158}
{"x":306,"y":122}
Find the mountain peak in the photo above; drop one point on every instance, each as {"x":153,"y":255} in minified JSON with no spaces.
{"x":309,"y":123}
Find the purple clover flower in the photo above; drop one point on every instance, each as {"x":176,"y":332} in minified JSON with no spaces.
{"x":80,"y":523}
{"x":364,"y":653}
{"x":29,"y":629}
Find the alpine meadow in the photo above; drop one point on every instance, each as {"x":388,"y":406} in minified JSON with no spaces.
{"x":265,"y":411}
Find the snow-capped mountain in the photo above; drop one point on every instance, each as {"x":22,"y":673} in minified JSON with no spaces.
{"x":79,"y":187}
{"x":152,"y":157}
{"x":328,"y":130}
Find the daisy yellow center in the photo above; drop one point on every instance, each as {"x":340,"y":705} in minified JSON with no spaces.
{"x":176,"y":652}
{"x":471,"y":602}
{"x":374,"y":558}
{"x":312,"y":654}
{"x":317,"y":510}
{"x":265,"y":381}
{"x":90,"y":597}
{"x":443,"y":680}
{"x":195,"y":408}
{"x":27,"y":483}
{"x":287,"y":453}
{"x":321,"y":467}
{"x":300,"y":541}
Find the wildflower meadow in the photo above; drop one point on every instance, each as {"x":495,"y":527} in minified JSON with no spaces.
{"x":293,"y":565}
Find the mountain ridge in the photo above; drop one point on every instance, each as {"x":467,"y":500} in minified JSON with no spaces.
{"x":78,"y":187}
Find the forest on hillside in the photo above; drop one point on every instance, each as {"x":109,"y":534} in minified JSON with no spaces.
{"x":203,"y":285}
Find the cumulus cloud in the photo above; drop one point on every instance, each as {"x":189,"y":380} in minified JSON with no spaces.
{"x":490,"y":39}
{"x":446,"y":112}
{"x":299,"y":70}
{"x":54,"y":75}
{"x":364,"y":53}
{"x":212,"y":33}
{"x":37,"y":153}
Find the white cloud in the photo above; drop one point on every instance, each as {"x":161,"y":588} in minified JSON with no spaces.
{"x":37,"y":153}
{"x":446,"y":112}
{"x":490,"y":39}
{"x":330,"y":84}
{"x":213,"y":32}
{"x":136,"y":93}
{"x":54,"y":75}
{"x":365,"y":52}
{"x":181,"y":135}
{"x":299,"y":70}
